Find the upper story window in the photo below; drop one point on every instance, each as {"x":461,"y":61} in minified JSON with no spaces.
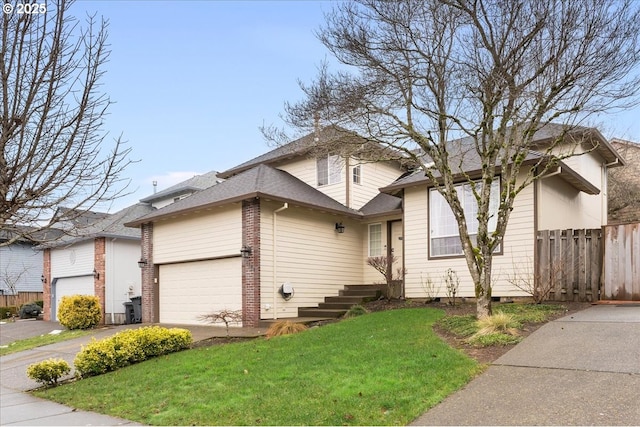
{"x":356,"y":174}
{"x":329,"y":170}
{"x":444,"y":235}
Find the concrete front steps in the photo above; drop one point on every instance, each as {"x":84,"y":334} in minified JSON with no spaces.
{"x":334,"y":307}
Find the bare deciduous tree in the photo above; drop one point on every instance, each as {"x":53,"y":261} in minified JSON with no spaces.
{"x":52,"y":146}
{"x":419,"y":74}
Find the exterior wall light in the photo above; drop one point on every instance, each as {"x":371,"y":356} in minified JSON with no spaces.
{"x":96,"y":275}
{"x":43,"y":279}
{"x":142,"y":263}
{"x":340,"y":227}
{"x":246,"y":251}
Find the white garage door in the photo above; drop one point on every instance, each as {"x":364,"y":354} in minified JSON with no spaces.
{"x":188,"y":290}
{"x":67,"y":286}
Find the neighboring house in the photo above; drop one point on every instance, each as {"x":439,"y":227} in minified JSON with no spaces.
{"x":99,"y":256}
{"x":624,"y":184}
{"x":20,"y":265}
{"x":292,"y":224}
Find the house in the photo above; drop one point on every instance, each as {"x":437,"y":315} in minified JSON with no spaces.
{"x":289,"y":228}
{"x":624,"y":184}
{"x":21,"y":261}
{"x":99,"y":255}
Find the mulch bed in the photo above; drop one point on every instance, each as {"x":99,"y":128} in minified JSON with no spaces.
{"x":484,"y":355}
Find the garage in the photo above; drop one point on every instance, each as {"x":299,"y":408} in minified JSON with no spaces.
{"x":190,"y":289}
{"x":66,"y":286}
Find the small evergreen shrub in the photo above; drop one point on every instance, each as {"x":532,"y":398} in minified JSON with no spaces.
{"x":7,"y":312}
{"x":40,"y":303}
{"x":128,"y":347}
{"x":48,"y":372}
{"x":285,"y":327}
{"x":355,"y":311}
{"x":79,"y":311}
{"x":30,"y":310}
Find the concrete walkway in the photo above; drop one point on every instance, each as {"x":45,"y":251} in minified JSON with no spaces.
{"x":20,"y":408}
{"x":582,"y":369}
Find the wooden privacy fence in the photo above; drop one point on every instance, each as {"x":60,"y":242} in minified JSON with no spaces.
{"x":19,"y":299}
{"x":569,"y":264}
{"x":621,"y":275}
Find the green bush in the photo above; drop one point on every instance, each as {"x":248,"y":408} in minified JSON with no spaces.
{"x":355,"y":311}
{"x":40,"y":303}
{"x":48,"y":372}
{"x":30,"y":310}
{"x":6,"y":312}
{"x":79,"y":311}
{"x":128,"y":347}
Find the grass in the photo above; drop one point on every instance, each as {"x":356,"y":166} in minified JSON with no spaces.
{"x":383,"y":368}
{"x":39,"y":341}
{"x":518,"y":314}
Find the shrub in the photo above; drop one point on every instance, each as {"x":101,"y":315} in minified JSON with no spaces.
{"x":128,"y":347}
{"x":40,"y":303}
{"x":48,"y":372}
{"x":6,"y":312}
{"x":79,"y":311}
{"x":29,"y":310}
{"x":355,"y":311}
{"x":285,"y":327}
{"x":499,"y":322}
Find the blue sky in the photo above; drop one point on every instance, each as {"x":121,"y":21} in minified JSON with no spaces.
{"x":193,"y":81}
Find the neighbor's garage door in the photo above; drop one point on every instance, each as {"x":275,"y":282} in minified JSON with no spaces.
{"x":190,"y":289}
{"x":67,"y":286}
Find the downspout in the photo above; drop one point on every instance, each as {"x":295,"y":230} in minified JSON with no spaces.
{"x":604,"y":191}
{"x":110,"y":277}
{"x":275,"y":259}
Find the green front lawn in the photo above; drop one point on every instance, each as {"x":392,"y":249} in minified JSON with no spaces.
{"x":384,"y":368}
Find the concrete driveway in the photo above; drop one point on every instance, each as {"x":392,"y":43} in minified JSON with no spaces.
{"x":582,"y":369}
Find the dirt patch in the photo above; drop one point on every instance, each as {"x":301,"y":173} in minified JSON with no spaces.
{"x":484,"y":355}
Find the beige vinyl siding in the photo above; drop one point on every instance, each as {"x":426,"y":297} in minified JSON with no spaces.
{"x":517,"y":259}
{"x":213,"y":233}
{"x":310,"y":255}
{"x":373,"y":177}
{"x":563,"y":206}
{"x":75,"y":260}
{"x":122,"y":275}
{"x":305,"y":170}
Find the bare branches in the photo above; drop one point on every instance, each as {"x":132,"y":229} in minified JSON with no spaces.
{"x":52,"y":147}
{"x":487,"y":74}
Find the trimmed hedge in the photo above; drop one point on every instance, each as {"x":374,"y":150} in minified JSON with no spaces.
{"x":128,"y":347}
{"x":49,"y":371}
{"x":79,"y":311}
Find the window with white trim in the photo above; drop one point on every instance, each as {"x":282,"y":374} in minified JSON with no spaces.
{"x":329,"y":170}
{"x":444,"y":235}
{"x":357,"y":174}
{"x":375,"y":239}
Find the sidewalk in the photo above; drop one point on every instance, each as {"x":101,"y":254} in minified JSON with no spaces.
{"x":582,"y":369}
{"x":19,"y":408}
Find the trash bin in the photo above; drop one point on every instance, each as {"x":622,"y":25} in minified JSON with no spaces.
{"x":137,"y":309}
{"x":129,"y":314}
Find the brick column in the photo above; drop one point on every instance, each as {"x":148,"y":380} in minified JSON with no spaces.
{"x":150,"y":287}
{"x":251,"y":264}
{"x":99,"y":263}
{"x":46,"y":286}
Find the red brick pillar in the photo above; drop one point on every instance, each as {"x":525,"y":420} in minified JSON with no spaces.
{"x":46,"y":286}
{"x":251,"y":264}
{"x":150,"y":285}
{"x":99,"y":263}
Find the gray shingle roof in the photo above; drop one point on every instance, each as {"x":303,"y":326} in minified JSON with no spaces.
{"x":261,"y":181}
{"x":382,"y":204}
{"x":464,"y":157}
{"x":295,"y":148}
{"x":110,"y":226}
{"x":196,"y":183}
